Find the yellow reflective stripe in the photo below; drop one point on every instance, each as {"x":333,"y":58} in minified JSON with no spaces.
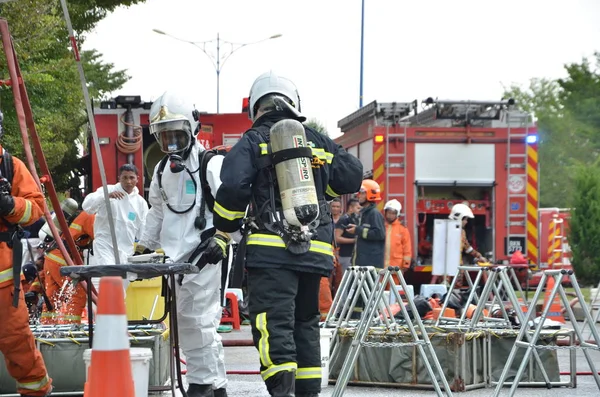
{"x":34,"y":386}
{"x":55,"y":258}
{"x":263,"y":343}
{"x":322,"y":154}
{"x":49,"y":314}
{"x":331,"y":192}
{"x":365,"y":232}
{"x":225,"y":213}
{"x":6,"y":275}
{"x":309,"y":373}
{"x":27,"y":214}
{"x":76,"y":227}
{"x":272,"y":370}
{"x":72,"y":318}
{"x":269,"y":240}
{"x":35,"y":283}
{"x":263,"y":148}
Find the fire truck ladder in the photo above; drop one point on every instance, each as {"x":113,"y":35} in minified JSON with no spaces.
{"x":396,"y":160}
{"x":378,"y":309}
{"x":392,"y":114}
{"x":556,"y":258}
{"x":516,"y":119}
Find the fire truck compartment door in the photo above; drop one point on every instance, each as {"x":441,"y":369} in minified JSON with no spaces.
{"x":454,"y":163}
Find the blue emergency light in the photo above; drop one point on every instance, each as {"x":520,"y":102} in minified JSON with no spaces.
{"x":531,"y":138}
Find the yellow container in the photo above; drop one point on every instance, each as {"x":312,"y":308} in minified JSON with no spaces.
{"x":140,"y":299}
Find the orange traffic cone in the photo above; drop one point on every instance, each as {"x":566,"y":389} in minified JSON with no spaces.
{"x":111,"y":365}
{"x":556,"y":312}
{"x":86,"y":387}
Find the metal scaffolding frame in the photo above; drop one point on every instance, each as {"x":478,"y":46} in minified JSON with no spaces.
{"x":532,"y":347}
{"x":378,"y":310}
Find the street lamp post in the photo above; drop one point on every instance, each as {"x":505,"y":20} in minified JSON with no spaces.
{"x":218,"y":61}
{"x":362,"y":49}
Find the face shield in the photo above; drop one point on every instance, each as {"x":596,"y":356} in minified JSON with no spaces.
{"x":173,"y":136}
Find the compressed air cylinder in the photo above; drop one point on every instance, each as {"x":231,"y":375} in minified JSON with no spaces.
{"x":294,"y":176}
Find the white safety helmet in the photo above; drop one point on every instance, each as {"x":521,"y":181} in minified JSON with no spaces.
{"x":174,"y":122}
{"x":459,"y":211}
{"x":393,"y":205}
{"x":271,"y":83}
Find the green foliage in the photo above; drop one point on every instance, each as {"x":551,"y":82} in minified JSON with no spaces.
{"x":317,"y":126}
{"x":584,"y":235}
{"x":50,"y":74}
{"x":568,"y":128}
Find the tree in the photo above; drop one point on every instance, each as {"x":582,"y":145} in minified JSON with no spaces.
{"x":584,"y":237}
{"x":317,"y":126}
{"x":50,"y":74}
{"x":567,"y":132}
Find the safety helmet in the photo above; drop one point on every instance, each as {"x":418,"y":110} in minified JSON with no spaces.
{"x":371,"y":187}
{"x":174,"y":122}
{"x":393,"y":205}
{"x":459,"y":211}
{"x":271,"y":83}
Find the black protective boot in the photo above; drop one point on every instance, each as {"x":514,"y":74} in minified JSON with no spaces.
{"x":307,"y":394}
{"x":282,"y":384}
{"x":220,"y":392}
{"x":200,"y":390}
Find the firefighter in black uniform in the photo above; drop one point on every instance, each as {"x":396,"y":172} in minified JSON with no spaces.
{"x":283,"y":286}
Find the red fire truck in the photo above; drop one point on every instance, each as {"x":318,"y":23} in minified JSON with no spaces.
{"x":124,"y":137}
{"x":441,"y":153}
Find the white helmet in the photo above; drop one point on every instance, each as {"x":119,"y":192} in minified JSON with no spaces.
{"x":271,"y":83}
{"x":393,"y":205}
{"x":174,"y":122}
{"x":459,"y":211}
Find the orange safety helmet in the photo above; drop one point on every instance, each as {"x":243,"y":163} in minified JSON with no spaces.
{"x":371,"y":187}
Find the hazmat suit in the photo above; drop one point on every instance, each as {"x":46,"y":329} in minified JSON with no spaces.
{"x":129,"y":215}
{"x":21,"y":204}
{"x":172,"y":224}
{"x":59,"y":289}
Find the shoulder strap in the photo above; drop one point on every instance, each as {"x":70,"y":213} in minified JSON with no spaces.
{"x":205,"y":157}
{"x":6,"y":168}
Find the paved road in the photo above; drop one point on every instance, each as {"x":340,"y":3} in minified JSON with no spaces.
{"x":246,"y":359}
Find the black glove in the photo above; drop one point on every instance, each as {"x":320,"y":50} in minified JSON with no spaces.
{"x":216,"y":250}
{"x":7,"y":204}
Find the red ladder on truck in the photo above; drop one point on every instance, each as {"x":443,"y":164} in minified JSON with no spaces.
{"x":516,"y":166}
{"x":394,"y":153}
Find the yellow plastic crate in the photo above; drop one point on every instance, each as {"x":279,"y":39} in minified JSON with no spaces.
{"x":140,"y":299}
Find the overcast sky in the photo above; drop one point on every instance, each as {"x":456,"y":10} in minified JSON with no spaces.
{"x":451,"y":49}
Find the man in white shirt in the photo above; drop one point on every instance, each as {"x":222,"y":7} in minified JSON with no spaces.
{"x":129,"y":210}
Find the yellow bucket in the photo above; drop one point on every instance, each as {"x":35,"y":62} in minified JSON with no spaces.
{"x":140,"y":299}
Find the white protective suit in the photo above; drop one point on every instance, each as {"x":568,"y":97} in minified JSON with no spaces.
{"x":198,"y":308}
{"x":129,"y":214}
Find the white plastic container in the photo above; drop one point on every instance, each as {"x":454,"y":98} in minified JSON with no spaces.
{"x":326,"y":334}
{"x":140,"y":368}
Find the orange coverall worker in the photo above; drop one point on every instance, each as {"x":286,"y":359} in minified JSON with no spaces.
{"x":398,"y":248}
{"x":23,"y":361}
{"x":82,"y":228}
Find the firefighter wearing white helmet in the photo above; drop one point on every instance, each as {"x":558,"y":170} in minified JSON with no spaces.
{"x":462,"y":212}
{"x":173,"y":224}
{"x":284,"y":268}
{"x":398,"y":245}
